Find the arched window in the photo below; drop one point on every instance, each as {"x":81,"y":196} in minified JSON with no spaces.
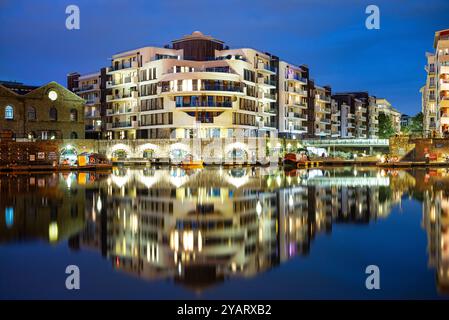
{"x":9,"y":113}
{"x":31,"y":113}
{"x":73,"y":115}
{"x":73,"y":135}
{"x":53,"y":113}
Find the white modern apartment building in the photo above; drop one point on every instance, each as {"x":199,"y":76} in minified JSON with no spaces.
{"x":199,"y":87}
{"x":89,"y":90}
{"x":293,"y":100}
{"x":358,"y":115}
{"x":321,"y":112}
{"x":92,"y":88}
{"x":429,"y":107}
{"x":435,"y":93}
{"x":195,"y":88}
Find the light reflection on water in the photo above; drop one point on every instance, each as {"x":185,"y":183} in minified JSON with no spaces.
{"x":203,"y":228}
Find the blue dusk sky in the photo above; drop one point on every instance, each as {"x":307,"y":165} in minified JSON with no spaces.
{"x":328,"y":36}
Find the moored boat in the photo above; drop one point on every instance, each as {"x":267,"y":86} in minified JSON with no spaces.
{"x":189,"y":163}
{"x":294,"y":160}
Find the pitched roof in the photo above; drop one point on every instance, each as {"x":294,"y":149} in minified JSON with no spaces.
{"x":26,"y":91}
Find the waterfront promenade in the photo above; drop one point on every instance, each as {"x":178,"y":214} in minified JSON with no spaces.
{"x":402,"y":151}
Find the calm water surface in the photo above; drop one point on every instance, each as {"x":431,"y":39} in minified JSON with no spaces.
{"x":225,"y":233}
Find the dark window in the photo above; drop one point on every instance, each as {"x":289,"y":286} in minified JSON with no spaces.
{"x":31,"y":113}
{"x":53,"y":114}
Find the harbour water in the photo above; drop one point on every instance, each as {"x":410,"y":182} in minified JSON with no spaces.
{"x":226,"y":233}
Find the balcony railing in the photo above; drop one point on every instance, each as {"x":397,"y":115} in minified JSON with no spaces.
{"x":270,"y":110}
{"x":296,"y":77}
{"x":126,"y":65}
{"x":224,"y":104}
{"x":267,"y":67}
{"x":87,"y":87}
{"x":125,"y":124}
{"x":267,"y":82}
{"x":211,"y":69}
{"x":121,"y":111}
{"x":297,"y":115}
{"x":94,"y":114}
{"x":126,"y":95}
{"x":298,"y":91}
{"x":203,"y":88}
{"x":323,"y":98}
{"x":93,"y":101}
{"x":298,"y":128}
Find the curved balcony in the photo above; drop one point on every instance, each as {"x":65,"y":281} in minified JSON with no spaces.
{"x":218,"y":89}
{"x":211,"y":106}
{"x":201,"y":75}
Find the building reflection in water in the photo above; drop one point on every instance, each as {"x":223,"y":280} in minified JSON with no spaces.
{"x":435,"y":186}
{"x":200,"y":227}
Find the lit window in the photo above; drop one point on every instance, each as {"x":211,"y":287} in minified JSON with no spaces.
{"x":73,"y":115}
{"x":9,"y":217}
{"x":9,"y":112}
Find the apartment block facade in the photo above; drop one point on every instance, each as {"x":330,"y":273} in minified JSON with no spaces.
{"x":92,"y":88}
{"x":199,"y":87}
{"x":435,"y":93}
{"x":358,"y":115}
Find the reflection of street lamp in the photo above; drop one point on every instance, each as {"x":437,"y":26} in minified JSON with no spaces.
{"x":258,"y":208}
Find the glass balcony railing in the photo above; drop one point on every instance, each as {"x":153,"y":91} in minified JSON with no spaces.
{"x":296,"y":77}
{"x":212,"y":104}
{"x":122,"y":124}
{"x":203,"y":88}
{"x":211,"y":69}
{"x":267,"y":67}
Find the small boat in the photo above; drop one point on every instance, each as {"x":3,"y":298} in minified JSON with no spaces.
{"x":189,"y":163}
{"x":295,"y":160}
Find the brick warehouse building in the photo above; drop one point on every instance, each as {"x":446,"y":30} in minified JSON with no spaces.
{"x":41,"y":113}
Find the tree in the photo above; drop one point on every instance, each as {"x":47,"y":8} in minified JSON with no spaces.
{"x":405,"y":129}
{"x":416,"y":127}
{"x":386,"y":129}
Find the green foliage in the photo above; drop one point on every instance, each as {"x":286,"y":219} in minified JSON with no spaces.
{"x":386,"y":129}
{"x":416,"y":127}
